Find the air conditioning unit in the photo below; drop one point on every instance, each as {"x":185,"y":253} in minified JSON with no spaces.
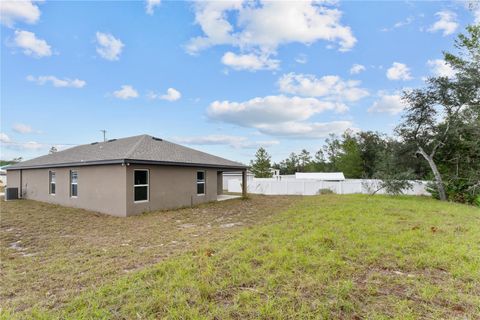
{"x":11,"y":193}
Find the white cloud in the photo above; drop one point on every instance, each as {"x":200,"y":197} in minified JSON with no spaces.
{"x":30,"y":145}
{"x":14,"y":11}
{"x":474,"y":7}
{"x":446,"y":23}
{"x":476,"y":13}
{"x":306,"y":130}
{"x":357,"y":68}
{"x":171,"y":95}
{"x":150,"y":5}
{"x":329,"y":87}
{"x":277,"y":22}
{"x":109,"y":47}
{"x":279,"y":116}
{"x":211,"y":17}
{"x":440,"y":68}
{"x":233,"y":141}
{"x":126,"y":92}
{"x":400,"y":24}
{"x":56,"y":82}
{"x":31,"y":45}
{"x":403,"y":23}
{"x":251,"y":61}
{"x":301,"y":58}
{"x":265,"y":25}
{"x":399,"y":71}
{"x":388,"y":103}
{"x":269,"y":110}
{"x":4,"y":138}
{"x":22,"y":128}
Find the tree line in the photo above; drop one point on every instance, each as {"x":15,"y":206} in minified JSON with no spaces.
{"x":438,"y":138}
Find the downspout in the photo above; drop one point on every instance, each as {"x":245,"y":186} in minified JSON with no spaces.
{"x":244,"y":183}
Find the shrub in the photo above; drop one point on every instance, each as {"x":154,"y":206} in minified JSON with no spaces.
{"x":325,"y":191}
{"x":458,"y":190}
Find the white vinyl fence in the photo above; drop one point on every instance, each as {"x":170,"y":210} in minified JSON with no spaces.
{"x":313,"y":187}
{"x":234,"y":176}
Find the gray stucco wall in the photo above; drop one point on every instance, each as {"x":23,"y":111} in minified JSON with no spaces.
{"x":219,"y":182}
{"x":109,"y":188}
{"x":13,"y":178}
{"x":100,"y":188}
{"x":171,"y":187}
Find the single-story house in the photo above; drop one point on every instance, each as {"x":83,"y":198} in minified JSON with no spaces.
{"x":123,"y":177}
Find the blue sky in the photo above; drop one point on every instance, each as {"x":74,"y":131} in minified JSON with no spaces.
{"x":222,"y":77}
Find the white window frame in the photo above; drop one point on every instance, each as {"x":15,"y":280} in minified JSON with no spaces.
{"x":50,"y":172}
{"x":72,"y":183}
{"x":141,"y":185}
{"x":204,"y":182}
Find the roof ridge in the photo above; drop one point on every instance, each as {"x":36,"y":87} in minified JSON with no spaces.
{"x":143,"y":148}
{"x":200,"y":151}
{"x":130,"y":152}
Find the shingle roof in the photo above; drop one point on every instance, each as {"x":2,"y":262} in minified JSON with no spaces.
{"x":137,"y":149}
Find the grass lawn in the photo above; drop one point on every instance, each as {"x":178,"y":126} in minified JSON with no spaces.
{"x":327,"y":256}
{"x":49,"y":253}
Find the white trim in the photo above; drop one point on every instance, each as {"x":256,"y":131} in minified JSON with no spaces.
{"x":50,"y":182}
{"x":204,"y":182}
{"x":141,"y":185}
{"x":71,"y":183}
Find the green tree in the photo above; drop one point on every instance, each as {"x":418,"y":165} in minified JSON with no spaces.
{"x":291,"y":163}
{"x":332,"y":150}
{"x":350,"y":160}
{"x":392,"y":178}
{"x":319,"y":163}
{"x":371,"y":145}
{"x":304,"y":160}
{"x":435,"y":113}
{"x":460,"y":155}
{"x":260,"y":167}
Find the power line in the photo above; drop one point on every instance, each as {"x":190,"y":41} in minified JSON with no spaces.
{"x":104,"y":134}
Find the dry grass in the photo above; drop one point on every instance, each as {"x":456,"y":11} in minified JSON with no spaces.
{"x":51,"y":253}
{"x":323,"y":257}
{"x":327,"y":257}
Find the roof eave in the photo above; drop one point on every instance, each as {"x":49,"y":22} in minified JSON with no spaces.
{"x":185,"y":164}
{"x":67,"y":164}
{"x":127,"y":161}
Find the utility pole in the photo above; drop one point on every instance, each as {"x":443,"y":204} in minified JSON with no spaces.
{"x":104,"y":134}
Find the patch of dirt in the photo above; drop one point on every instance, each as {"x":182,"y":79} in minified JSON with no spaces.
{"x":230,"y":225}
{"x":386,"y":283}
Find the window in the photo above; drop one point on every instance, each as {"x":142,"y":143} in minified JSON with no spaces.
{"x":140,"y":185}
{"x":73,"y":183}
{"x":200,"y":183}
{"x":51,"y":182}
